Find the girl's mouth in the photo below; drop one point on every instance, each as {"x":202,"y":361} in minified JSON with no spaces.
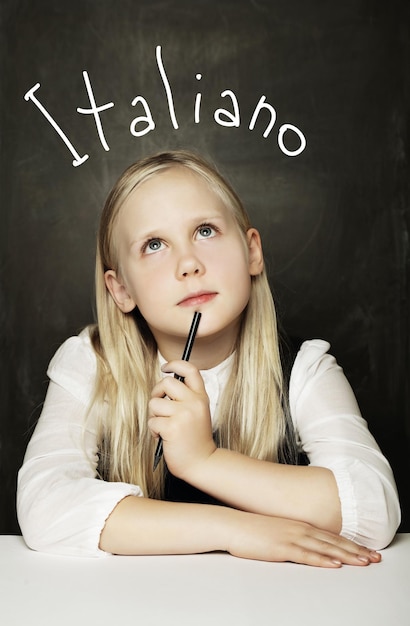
{"x":196,"y":299}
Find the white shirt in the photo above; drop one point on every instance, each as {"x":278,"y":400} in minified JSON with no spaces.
{"x":62,"y":507}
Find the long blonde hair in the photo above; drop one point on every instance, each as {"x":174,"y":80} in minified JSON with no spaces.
{"x":252,"y":417}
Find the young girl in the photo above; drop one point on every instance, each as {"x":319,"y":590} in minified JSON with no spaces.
{"x":175,"y":239}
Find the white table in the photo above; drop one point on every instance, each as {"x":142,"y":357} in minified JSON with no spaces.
{"x":211,"y":589}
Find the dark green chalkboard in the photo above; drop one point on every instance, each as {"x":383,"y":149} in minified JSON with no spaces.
{"x":334,"y":212}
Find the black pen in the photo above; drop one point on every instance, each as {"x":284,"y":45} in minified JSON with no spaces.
{"x":185,"y":357}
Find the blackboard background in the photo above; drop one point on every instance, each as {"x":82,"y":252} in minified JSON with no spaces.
{"x":335,"y":219}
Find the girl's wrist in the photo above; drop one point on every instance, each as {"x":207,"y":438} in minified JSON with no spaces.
{"x":229,"y":527}
{"x":196,"y":471}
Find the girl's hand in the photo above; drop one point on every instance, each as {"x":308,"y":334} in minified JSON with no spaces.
{"x":277,"y":539}
{"x":179,"y":412}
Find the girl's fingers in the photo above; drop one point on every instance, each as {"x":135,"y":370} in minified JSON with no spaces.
{"x":314,"y":551}
{"x":170,"y":387}
{"x":348,"y":549}
{"x":187,"y":371}
{"x":175,"y":389}
{"x":160,"y":407}
{"x":327,"y":547}
{"x":158,"y":427}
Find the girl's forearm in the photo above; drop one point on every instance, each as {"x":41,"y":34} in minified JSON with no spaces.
{"x":307,"y":494}
{"x":144,"y":526}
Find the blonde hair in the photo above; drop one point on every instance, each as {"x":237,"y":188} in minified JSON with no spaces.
{"x":252,"y":417}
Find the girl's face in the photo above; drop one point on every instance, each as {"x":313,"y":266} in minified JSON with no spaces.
{"x":180,"y":251}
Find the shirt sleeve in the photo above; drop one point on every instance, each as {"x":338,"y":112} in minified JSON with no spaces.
{"x":61,"y":504}
{"x":334,"y":435}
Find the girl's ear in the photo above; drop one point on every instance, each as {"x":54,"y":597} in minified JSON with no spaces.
{"x":118,"y":292}
{"x":256,"y":263}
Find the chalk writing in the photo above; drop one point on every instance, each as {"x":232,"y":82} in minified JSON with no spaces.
{"x":30,"y":96}
{"x":198,"y":99}
{"x":142,"y":118}
{"x":167,"y":88}
{"x":143,"y":124}
{"x":95,"y":110}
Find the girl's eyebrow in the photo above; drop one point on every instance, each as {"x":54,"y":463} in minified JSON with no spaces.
{"x":144,"y":238}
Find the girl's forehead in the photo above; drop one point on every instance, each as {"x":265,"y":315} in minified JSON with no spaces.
{"x":173,"y":179}
{"x":176,"y":188}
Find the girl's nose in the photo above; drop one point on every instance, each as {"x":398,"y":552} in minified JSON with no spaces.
{"x":189,"y":265}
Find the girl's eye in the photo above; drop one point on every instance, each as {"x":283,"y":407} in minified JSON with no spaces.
{"x":206,"y":231}
{"x":153,"y":245}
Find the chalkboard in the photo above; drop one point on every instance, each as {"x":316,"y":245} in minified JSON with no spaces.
{"x":304,"y":105}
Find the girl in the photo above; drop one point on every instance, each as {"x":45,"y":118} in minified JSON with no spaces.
{"x":175,"y":239}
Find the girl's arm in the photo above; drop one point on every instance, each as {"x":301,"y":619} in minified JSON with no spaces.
{"x":348,"y":487}
{"x":141,"y":526}
{"x":299,"y":493}
{"x":307,"y":494}
{"x":61,"y":506}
